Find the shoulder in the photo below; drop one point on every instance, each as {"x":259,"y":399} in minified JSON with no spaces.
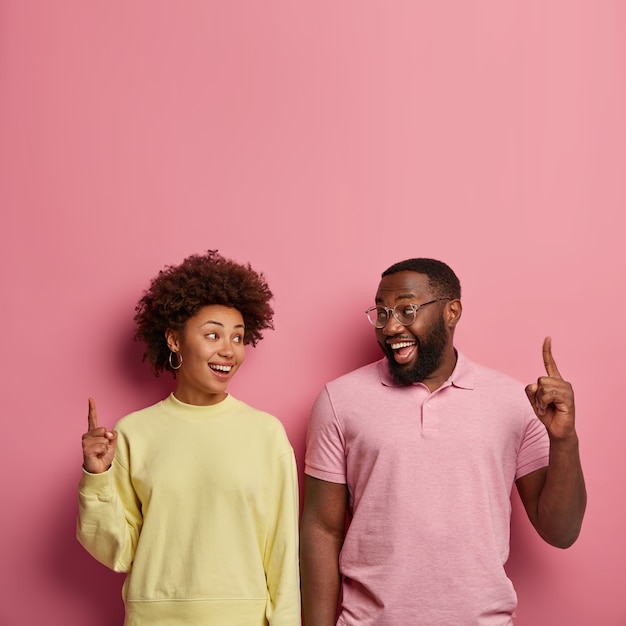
{"x":137,"y":419}
{"x":245,"y":411}
{"x":489,"y":376}
{"x":365,"y":375}
{"x":491,"y":386}
{"x":470,"y":374}
{"x":257,"y":421}
{"x":349,"y":395}
{"x":260,"y":431}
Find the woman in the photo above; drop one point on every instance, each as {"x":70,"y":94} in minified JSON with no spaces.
{"x":196,"y":496}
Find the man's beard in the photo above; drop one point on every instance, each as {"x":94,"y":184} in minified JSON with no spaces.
{"x":429,"y":354}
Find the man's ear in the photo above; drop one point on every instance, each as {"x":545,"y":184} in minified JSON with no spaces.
{"x":173,"y":343}
{"x":454,"y":311}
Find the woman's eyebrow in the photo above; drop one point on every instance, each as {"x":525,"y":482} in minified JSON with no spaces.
{"x":220,"y":324}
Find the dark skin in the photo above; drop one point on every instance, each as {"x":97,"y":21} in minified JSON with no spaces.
{"x":99,"y":443}
{"x":554,"y":497}
{"x":213,"y":335}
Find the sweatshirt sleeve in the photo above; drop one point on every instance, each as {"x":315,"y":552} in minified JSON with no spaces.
{"x":109,"y":516}
{"x":281,"y":559}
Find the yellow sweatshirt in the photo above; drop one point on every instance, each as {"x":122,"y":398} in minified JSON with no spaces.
{"x":200,"y":507}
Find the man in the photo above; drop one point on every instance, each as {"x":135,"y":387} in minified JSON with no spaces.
{"x":420,"y":452}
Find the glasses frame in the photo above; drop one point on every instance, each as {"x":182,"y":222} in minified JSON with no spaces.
{"x":392,"y":311}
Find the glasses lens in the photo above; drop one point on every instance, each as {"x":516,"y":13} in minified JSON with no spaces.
{"x":405,"y":314}
{"x":377,"y":316}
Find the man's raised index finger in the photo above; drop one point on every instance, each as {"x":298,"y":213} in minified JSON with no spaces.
{"x":548,"y":359}
{"x":92,"y":416}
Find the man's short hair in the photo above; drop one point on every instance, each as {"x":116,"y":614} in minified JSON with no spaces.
{"x":441,"y":279}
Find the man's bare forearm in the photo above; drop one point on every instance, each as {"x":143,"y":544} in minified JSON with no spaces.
{"x":320,"y":578}
{"x":563,"y":499}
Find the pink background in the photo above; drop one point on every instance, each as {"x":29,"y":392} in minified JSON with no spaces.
{"x":321,"y":141}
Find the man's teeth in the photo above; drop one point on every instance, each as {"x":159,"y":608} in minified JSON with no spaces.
{"x":401,"y":344}
{"x":221,"y":368}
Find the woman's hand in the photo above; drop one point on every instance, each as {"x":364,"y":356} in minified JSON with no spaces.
{"x":98,"y":444}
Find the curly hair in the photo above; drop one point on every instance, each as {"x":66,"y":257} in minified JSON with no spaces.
{"x":441,"y":279}
{"x":178,"y":292}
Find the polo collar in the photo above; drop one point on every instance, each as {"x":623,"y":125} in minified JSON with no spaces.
{"x":462,"y":376}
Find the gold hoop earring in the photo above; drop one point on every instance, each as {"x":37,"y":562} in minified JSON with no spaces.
{"x":180,"y":360}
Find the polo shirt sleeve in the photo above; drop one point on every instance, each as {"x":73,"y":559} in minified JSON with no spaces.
{"x":534,"y":450}
{"x":325,"y":456}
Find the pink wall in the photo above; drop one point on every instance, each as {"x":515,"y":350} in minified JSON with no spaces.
{"x":320,"y":141}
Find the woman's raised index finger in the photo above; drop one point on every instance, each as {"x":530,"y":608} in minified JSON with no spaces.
{"x":92,"y":416}
{"x":548,"y":359}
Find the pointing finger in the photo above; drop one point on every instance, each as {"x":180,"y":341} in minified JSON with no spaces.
{"x":92,"y":416}
{"x":548,"y":359}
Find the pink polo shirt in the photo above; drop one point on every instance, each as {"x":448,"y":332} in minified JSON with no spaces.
{"x":430,"y":478}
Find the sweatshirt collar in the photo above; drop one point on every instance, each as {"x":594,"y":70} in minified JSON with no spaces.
{"x":173,"y":405}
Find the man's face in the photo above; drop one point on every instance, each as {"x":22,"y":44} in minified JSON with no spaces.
{"x":415,"y":352}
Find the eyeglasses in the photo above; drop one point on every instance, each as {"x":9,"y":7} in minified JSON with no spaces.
{"x":378,"y":315}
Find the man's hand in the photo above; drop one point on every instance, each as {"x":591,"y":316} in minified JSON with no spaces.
{"x":98,"y":444}
{"x":552,"y":398}
{"x":555,"y":497}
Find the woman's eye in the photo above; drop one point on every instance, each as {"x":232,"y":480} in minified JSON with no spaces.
{"x":238,"y":339}
{"x":211,"y":336}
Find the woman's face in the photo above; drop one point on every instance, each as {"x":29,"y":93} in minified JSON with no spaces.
{"x":211,"y":347}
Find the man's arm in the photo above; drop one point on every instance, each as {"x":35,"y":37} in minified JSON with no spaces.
{"x":555,"y":497}
{"x":321,"y":536}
